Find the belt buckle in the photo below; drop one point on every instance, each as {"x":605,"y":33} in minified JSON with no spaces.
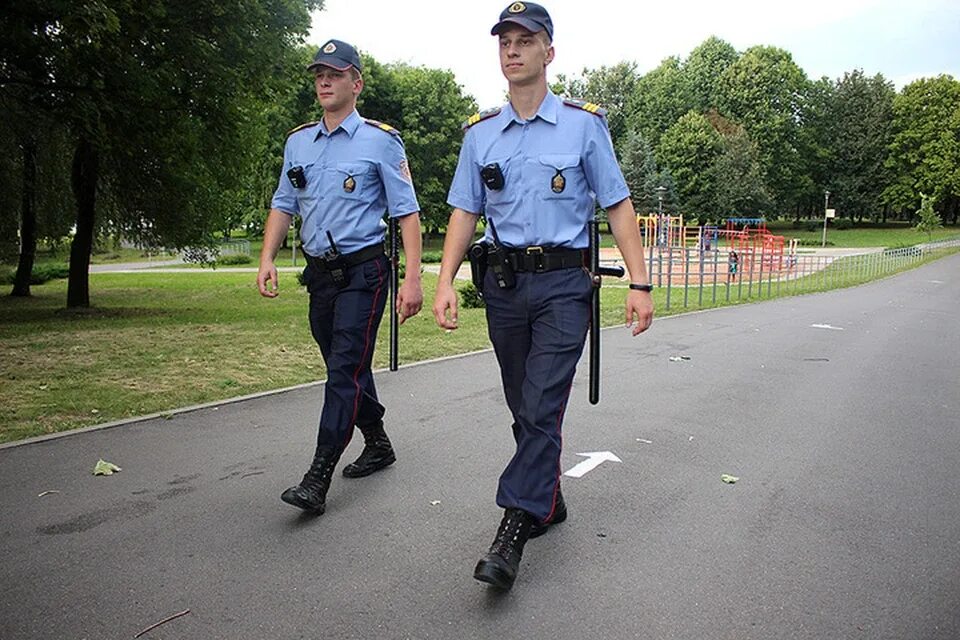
{"x":537,"y":253}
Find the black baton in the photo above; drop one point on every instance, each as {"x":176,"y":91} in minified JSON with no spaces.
{"x":596,"y":273}
{"x":394,"y":287}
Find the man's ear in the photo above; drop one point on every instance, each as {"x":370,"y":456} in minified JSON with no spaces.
{"x":550,"y":54}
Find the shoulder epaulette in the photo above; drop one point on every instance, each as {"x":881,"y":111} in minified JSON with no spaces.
{"x":480,"y":117}
{"x":305,"y":125}
{"x":589,"y":107}
{"x":381,"y":126}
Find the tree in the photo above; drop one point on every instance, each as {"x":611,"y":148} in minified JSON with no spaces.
{"x":703,"y":69}
{"x":847,"y":124}
{"x":643,"y":178}
{"x":924,"y":154}
{"x":430,"y":108}
{"x":763,"y":90}
{"x":739,"y":182}
{"x":929,"y":219}
{"x":659,"y":98}
{"x":153,"y":95}
{"x":689,"y":149}
{"x":610,"y":87}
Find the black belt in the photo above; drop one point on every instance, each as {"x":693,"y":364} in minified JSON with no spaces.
{"x":349,"y":259}
{"x":540,"y":259}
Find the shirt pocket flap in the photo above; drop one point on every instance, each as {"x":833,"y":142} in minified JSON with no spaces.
{"x":560,"y":161}
{"x":353,"y":168}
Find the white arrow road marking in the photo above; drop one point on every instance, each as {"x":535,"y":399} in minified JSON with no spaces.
{"x":594,"y":460}
{"x":826,"y":326}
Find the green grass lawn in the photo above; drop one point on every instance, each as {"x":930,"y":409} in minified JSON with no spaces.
{"x":156,"y":341}
{"x":897,"y":236}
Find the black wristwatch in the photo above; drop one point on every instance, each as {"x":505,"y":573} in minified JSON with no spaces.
{"x":641,"y":287}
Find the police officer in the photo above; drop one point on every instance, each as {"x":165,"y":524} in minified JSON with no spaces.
{"x":535,"y":168}
{"x":340,"y":175}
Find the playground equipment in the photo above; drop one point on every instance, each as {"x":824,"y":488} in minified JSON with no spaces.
{"x":661,"y":230}
{"x":744,"y":246}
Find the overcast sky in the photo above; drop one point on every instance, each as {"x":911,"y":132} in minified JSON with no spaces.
{"x":903,"y":40}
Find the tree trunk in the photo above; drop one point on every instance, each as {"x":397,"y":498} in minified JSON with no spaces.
{"x":85,"y":176}
{"x":28,"y":220}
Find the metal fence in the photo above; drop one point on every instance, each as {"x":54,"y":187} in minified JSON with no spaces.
{"x":691,"y":277}
{"x":235,"y":247}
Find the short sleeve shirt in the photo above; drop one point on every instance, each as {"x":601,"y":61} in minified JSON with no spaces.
{"x":353,"y":174}
{"x":556,"y":166}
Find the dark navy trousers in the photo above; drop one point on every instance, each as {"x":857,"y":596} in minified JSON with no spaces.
{"x":344,"y":323}
{"x":538,"y":330}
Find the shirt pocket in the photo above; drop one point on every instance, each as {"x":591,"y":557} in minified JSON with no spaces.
{"x":511,"y":186}
{"x":307,"y":196}
{"x":353,"y":181}
{"x":559,"y":176}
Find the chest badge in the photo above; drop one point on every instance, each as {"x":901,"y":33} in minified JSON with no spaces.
{"x":558,"y":183}
{"x":349,"y":184}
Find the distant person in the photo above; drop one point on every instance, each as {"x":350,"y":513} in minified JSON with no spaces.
{"x":733,"y":264}
{"x":340,"y":175}
{"x":536,"y":167}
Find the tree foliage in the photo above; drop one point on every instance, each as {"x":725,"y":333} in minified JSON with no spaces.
{"x":925,"y":149}
{"x":610,"y":87}
{"x":690,"y":148}
{"x":763,"y":91}
{"x":152,"y":95}
{"x":647,"y":184}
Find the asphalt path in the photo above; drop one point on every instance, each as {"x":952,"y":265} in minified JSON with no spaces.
{"x":845,"y":521}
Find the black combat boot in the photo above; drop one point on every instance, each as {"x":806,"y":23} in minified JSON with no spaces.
{"x":311,"y":494}
{"x":377,"y":452}
{"x":499,"y":566}
{"x":559,"y":515}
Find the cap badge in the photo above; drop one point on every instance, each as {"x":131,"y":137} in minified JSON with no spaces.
{"x":517,"y":7}
{"x":329,"y":48}
{"x":558,"y":183}
{"x":349,"y":184}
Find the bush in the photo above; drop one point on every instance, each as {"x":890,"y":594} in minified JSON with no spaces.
{"x":41,"y":273}
{"x":235,"y":258}
{"x":470,"y":298}
{"x":812,"y":242}
{"x":431,"y":257}
{"x":813,"y":225}
{"x":842,"y":224}
{"x":204,"y":256}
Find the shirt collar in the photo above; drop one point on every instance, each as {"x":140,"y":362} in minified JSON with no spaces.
{"x":547,"y":112}
{"x":349,"y":125}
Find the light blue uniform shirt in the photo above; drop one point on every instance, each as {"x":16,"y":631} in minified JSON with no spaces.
{"x":561,"y":146}
{"x":354,"y":174}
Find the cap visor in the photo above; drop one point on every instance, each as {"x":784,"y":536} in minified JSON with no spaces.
{"x":333,"y":63}
{"x":526,"y":23}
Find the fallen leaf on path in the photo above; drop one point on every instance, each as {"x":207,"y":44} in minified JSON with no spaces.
{"x":104,"y":468}
{"x":725,"y":477}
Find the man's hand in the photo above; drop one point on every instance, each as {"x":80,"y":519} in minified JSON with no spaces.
{"x":409,"y":298}
{"x":639,"y":305}
{"x":445,"y":300}
{"x":267,"y":281}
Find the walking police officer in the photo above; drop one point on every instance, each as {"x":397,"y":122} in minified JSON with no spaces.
{"x":340,"y":175}
{"x":535,"y":168}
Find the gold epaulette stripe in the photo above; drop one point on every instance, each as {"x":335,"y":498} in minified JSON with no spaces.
{"x":589,"y":107}
{"x":382,"y":126}
{"x":303,"y":126}
{"x":477,"y":117}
